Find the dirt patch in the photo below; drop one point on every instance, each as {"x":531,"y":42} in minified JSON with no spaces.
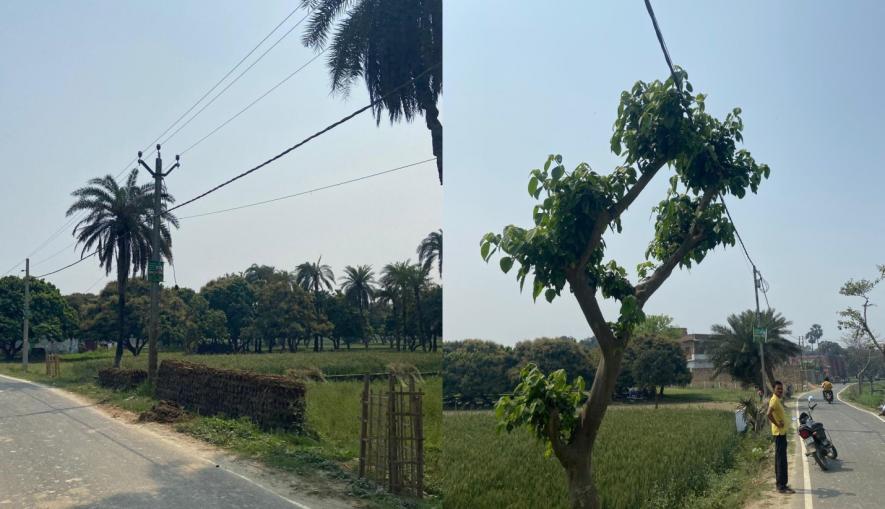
{"x":164,"y":411}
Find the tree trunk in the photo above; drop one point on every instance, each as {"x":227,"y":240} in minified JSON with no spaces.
{"x":121,"y":314}
{"x":581,"y":490}
{"x":431,"y":116}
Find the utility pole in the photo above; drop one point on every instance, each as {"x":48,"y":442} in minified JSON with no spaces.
{"x":757,"y":280}
{"x":155,"y":266}
{"x":802,"y":361}
{"x":26,"y":343}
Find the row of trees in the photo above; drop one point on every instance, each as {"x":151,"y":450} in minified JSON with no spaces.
{"x":259,"y":309}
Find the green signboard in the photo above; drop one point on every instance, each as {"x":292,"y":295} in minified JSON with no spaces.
{"x":155,"y":271}
{"x":760,"y":334}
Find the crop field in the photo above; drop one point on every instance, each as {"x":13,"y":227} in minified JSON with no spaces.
{"x":643,"y":458}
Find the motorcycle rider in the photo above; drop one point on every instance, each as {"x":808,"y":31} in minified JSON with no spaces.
{"x":778,"y":418}
{"x":827,"y":388}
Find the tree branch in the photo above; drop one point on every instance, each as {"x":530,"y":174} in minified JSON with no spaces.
{"x":553,"y":433}
{"x":647,"y":288}
{"x":867,"y":327}
{"x":586,"y":297}
{"x":605,"y":218}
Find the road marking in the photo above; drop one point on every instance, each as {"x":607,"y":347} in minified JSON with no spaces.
{"x":809,"y":503}
{"x":160,"y":437}
{"x":839,"y":397}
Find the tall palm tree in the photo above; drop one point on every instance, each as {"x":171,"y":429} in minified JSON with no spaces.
{"x":358,"y":287}
{"x":118,"y":227}
{"x":430,"y":250}
{"x":313,"y":277}
{"x":418,"y":279}
{"x":388,"y":43}
{"x":395,"y":278}
{"x":735,"y":351}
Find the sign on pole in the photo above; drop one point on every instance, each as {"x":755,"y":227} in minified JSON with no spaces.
{"x":155,"y":271}
{"x":760,"y":334}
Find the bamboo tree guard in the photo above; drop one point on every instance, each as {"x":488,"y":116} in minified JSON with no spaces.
{"x":52,"y":364}
{"x":392,"y":436}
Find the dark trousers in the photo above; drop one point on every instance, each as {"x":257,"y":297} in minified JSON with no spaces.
{"x":780,"y":460}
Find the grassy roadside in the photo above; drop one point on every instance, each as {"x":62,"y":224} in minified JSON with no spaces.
{"x":330,"y":448}
{"x":866,"y":399}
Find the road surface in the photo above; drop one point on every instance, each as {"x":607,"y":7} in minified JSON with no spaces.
{"x":857,"y":478}
{"x":58,"y":452}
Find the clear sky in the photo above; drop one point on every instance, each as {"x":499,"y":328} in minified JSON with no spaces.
{"x":526,"y":79}
{"x":85,"y":85}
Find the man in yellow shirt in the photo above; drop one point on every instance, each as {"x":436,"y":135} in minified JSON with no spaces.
{"x":827,"y":389}
{"x":777,"y":416}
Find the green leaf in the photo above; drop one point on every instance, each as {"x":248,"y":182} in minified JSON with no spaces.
{"x":484,"y":250}
{"x":539,"y":287}
{"x":506,"y":263}
{"x":550,"y":294}
{"x":533,"y":187}
{"x":557,"y":173}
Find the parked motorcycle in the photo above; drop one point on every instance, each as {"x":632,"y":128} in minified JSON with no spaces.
{"x":817,"y":443}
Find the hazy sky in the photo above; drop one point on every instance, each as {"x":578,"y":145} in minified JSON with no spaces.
{"x":525,"y":80}
{"x":85,"y":85}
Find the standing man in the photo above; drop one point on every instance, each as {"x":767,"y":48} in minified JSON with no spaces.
{"x":778,"y":418}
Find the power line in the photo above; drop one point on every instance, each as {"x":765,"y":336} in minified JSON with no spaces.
{"x":95,"y":283}
{"x":304,"y":141}
{"x":337,"y":184}
{"x":206,"y":94}
{"x":69,"y":265}
{"x":262,"y":96}
{"x":274,"y":45}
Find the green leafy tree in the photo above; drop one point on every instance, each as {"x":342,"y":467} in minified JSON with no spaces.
{"x":118,"y":226}
{"x":658,"y":125}
{"x":430,"y":251}
{"x":856,"y":321}
{"x":658,"y":364}
{"x":51,"y":317}
{"x":550,"y":354}
{"x":233,"y":296}
{"x":476,"y":370}
{"x":284,"y":315}
{"x":658,"y":327}
{"x":395,"y":46}
{"x":737,"y":353}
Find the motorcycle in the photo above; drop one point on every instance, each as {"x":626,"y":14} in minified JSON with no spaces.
{"x":828,"y":395}
{"x":817,"y":443}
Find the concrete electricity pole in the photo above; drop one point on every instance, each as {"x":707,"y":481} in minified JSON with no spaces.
{"x":26,"y":343}
{"x":155,"y":265}
{"x":757,"y":279}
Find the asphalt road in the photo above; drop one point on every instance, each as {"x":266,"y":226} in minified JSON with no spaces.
{"x":56,"y":452}
{"x":857,"y":478}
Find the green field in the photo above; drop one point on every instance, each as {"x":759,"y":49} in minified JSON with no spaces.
{"x":696,"y":395}
{"x":643,"y":458}
{"x":331,"y":446}
{"x":866,"y":398}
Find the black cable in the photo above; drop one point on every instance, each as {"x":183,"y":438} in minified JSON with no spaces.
{"x":67,"y":266}
{"x":151,"y":146}
{"x":262,"y":96}
{"x":337,"y":184}
{"x":304,"y":141}
{"x":219,"y":94}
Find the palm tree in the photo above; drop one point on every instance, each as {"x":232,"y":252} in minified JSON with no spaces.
{"x":430,"y":250}
{"x":418,"y":277}
{"x":396,"y":280}
{"x":359,"y":288}
{"x":118,"y":227}
{"x":735,"y":351}
{"x":388,"y":43}
{"x":313,"y":277}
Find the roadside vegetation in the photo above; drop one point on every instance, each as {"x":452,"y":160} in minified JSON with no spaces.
{"x":330,"y":447}
{"x":872,"y":397}
{"x":645,"y":458}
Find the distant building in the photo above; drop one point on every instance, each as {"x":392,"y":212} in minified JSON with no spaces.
{"x":699,"y":358}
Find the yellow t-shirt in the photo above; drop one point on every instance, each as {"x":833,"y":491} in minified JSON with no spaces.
{"x":827,"y":386}
{"x":777,"y":411}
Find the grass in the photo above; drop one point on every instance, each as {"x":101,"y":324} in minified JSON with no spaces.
{"x":329,"y":449}
{"x":696,"y":395}
{"x":644,"y":458}
{"x":867,"y":399}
